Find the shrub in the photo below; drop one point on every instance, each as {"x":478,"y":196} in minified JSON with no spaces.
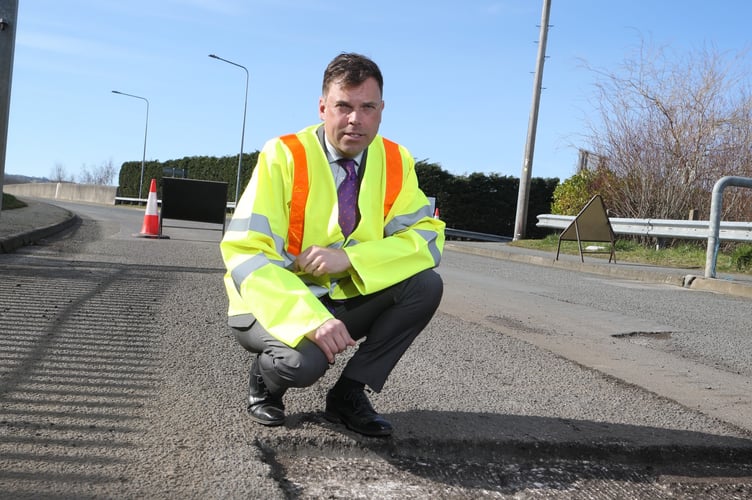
{"x":742,"y":257}
{"x":10,"y":202}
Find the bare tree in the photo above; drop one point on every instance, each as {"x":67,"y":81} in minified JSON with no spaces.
{"x":670,"y":126}
{"x":102,"y":175}
{"x":60,"y":174}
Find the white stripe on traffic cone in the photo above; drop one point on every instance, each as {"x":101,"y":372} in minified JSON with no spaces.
{"x":150,"y":227}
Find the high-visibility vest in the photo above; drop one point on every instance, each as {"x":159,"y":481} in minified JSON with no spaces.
{"x":261,"y":281}
{"x":300,"y":186}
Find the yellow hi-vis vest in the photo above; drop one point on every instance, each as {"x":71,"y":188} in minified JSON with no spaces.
{"x":290,"y":204}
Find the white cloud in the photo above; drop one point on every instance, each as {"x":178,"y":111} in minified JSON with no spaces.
{"x":56,"y":44}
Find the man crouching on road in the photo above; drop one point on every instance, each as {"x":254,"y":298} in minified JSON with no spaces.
{"x":332,"y":242}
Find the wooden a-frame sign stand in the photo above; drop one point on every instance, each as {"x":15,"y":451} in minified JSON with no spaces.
{"x":591,"y":224}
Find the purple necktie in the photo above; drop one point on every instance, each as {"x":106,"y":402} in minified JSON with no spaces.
{"x":347,"y":194}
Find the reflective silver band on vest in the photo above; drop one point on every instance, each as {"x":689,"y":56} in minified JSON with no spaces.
{"x":430,"y":237}
{"x":260,"y":224}
{"x":240,"y":272}
{"x":405,"y":221}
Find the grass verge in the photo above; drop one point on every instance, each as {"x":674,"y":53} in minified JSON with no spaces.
{"x":683,"y":255}
{"x":10,"y":202}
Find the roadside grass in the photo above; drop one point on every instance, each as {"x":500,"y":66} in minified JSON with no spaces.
{"x":684,"y":255}
{"x":11,"y":202}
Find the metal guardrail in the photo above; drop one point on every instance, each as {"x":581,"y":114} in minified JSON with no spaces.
{"x":660,"y":228}
{"x":131,"y":201}
{"x":471,"y":235}
{"x":142,"y":201}
{"x":713,"y":230}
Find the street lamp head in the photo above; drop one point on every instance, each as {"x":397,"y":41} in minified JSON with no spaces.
{"x":116,"y":92}
{"x":214,"y":56}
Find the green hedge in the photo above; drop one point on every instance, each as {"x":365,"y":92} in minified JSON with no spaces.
{"x":485,"y":203}
{"x":209,"y":168}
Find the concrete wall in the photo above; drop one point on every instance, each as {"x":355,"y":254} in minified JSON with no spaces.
{"x":64,"y":191}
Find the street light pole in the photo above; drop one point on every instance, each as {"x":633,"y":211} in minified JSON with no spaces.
{"x":146,"y":129}
{"x":242,"y":133}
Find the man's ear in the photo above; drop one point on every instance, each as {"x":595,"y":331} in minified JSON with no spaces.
{"x":322,"y":107}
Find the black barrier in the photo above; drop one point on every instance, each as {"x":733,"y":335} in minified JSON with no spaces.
{"x":193,"y":200}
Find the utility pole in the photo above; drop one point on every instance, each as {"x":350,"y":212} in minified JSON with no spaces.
{"x":8,"y":16}
{"x":527,"y":162}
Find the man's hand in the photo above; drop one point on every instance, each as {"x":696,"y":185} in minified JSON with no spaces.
{"x":319,"y":261}
{"x":332,"y":338}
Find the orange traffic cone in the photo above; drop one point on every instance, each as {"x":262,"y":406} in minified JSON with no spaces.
{"x":436,"y":213}
{"x":150,"y":227}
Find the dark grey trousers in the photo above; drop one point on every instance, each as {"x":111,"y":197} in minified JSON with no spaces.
{"x":388,"y":321}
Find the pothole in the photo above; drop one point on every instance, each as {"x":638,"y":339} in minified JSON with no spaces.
{"x":315,"y":473}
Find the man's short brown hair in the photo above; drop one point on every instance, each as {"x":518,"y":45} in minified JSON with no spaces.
{"x":351,"y":70}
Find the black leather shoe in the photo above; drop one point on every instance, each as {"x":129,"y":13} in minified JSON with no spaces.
{"x":355,"y":411}
{"x":263,"y":407}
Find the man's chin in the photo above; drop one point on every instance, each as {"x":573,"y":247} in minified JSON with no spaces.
{"x":353,"y":146}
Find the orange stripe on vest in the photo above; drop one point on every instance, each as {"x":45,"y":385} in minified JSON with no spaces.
{"x":393,"y":174}
{"x":299,"y":193}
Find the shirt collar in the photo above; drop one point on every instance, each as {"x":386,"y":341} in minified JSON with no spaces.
{"x":334,"y":156}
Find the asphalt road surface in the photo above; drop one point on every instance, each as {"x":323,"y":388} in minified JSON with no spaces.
{"x":119,"y":379}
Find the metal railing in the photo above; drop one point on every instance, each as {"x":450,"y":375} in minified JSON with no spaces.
{"x":473,"y":236}
{"x":714,"y":230}
{"x":660,"y":228}
{"x":142,"y":201}
{"x":716,"y":226}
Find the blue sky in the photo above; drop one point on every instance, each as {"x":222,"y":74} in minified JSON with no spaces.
{"x":458,"y":74}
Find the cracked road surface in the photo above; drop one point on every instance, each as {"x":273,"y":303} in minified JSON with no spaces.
{"x":119,"y":379}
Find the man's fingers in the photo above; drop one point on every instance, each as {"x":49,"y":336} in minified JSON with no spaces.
{"x":332,"y":338}
{"x":327,"y":351}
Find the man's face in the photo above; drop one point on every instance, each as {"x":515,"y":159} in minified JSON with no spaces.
{"x":351,"y":116}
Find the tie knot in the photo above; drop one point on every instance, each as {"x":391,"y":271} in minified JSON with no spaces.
{"x":348,"y":164}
